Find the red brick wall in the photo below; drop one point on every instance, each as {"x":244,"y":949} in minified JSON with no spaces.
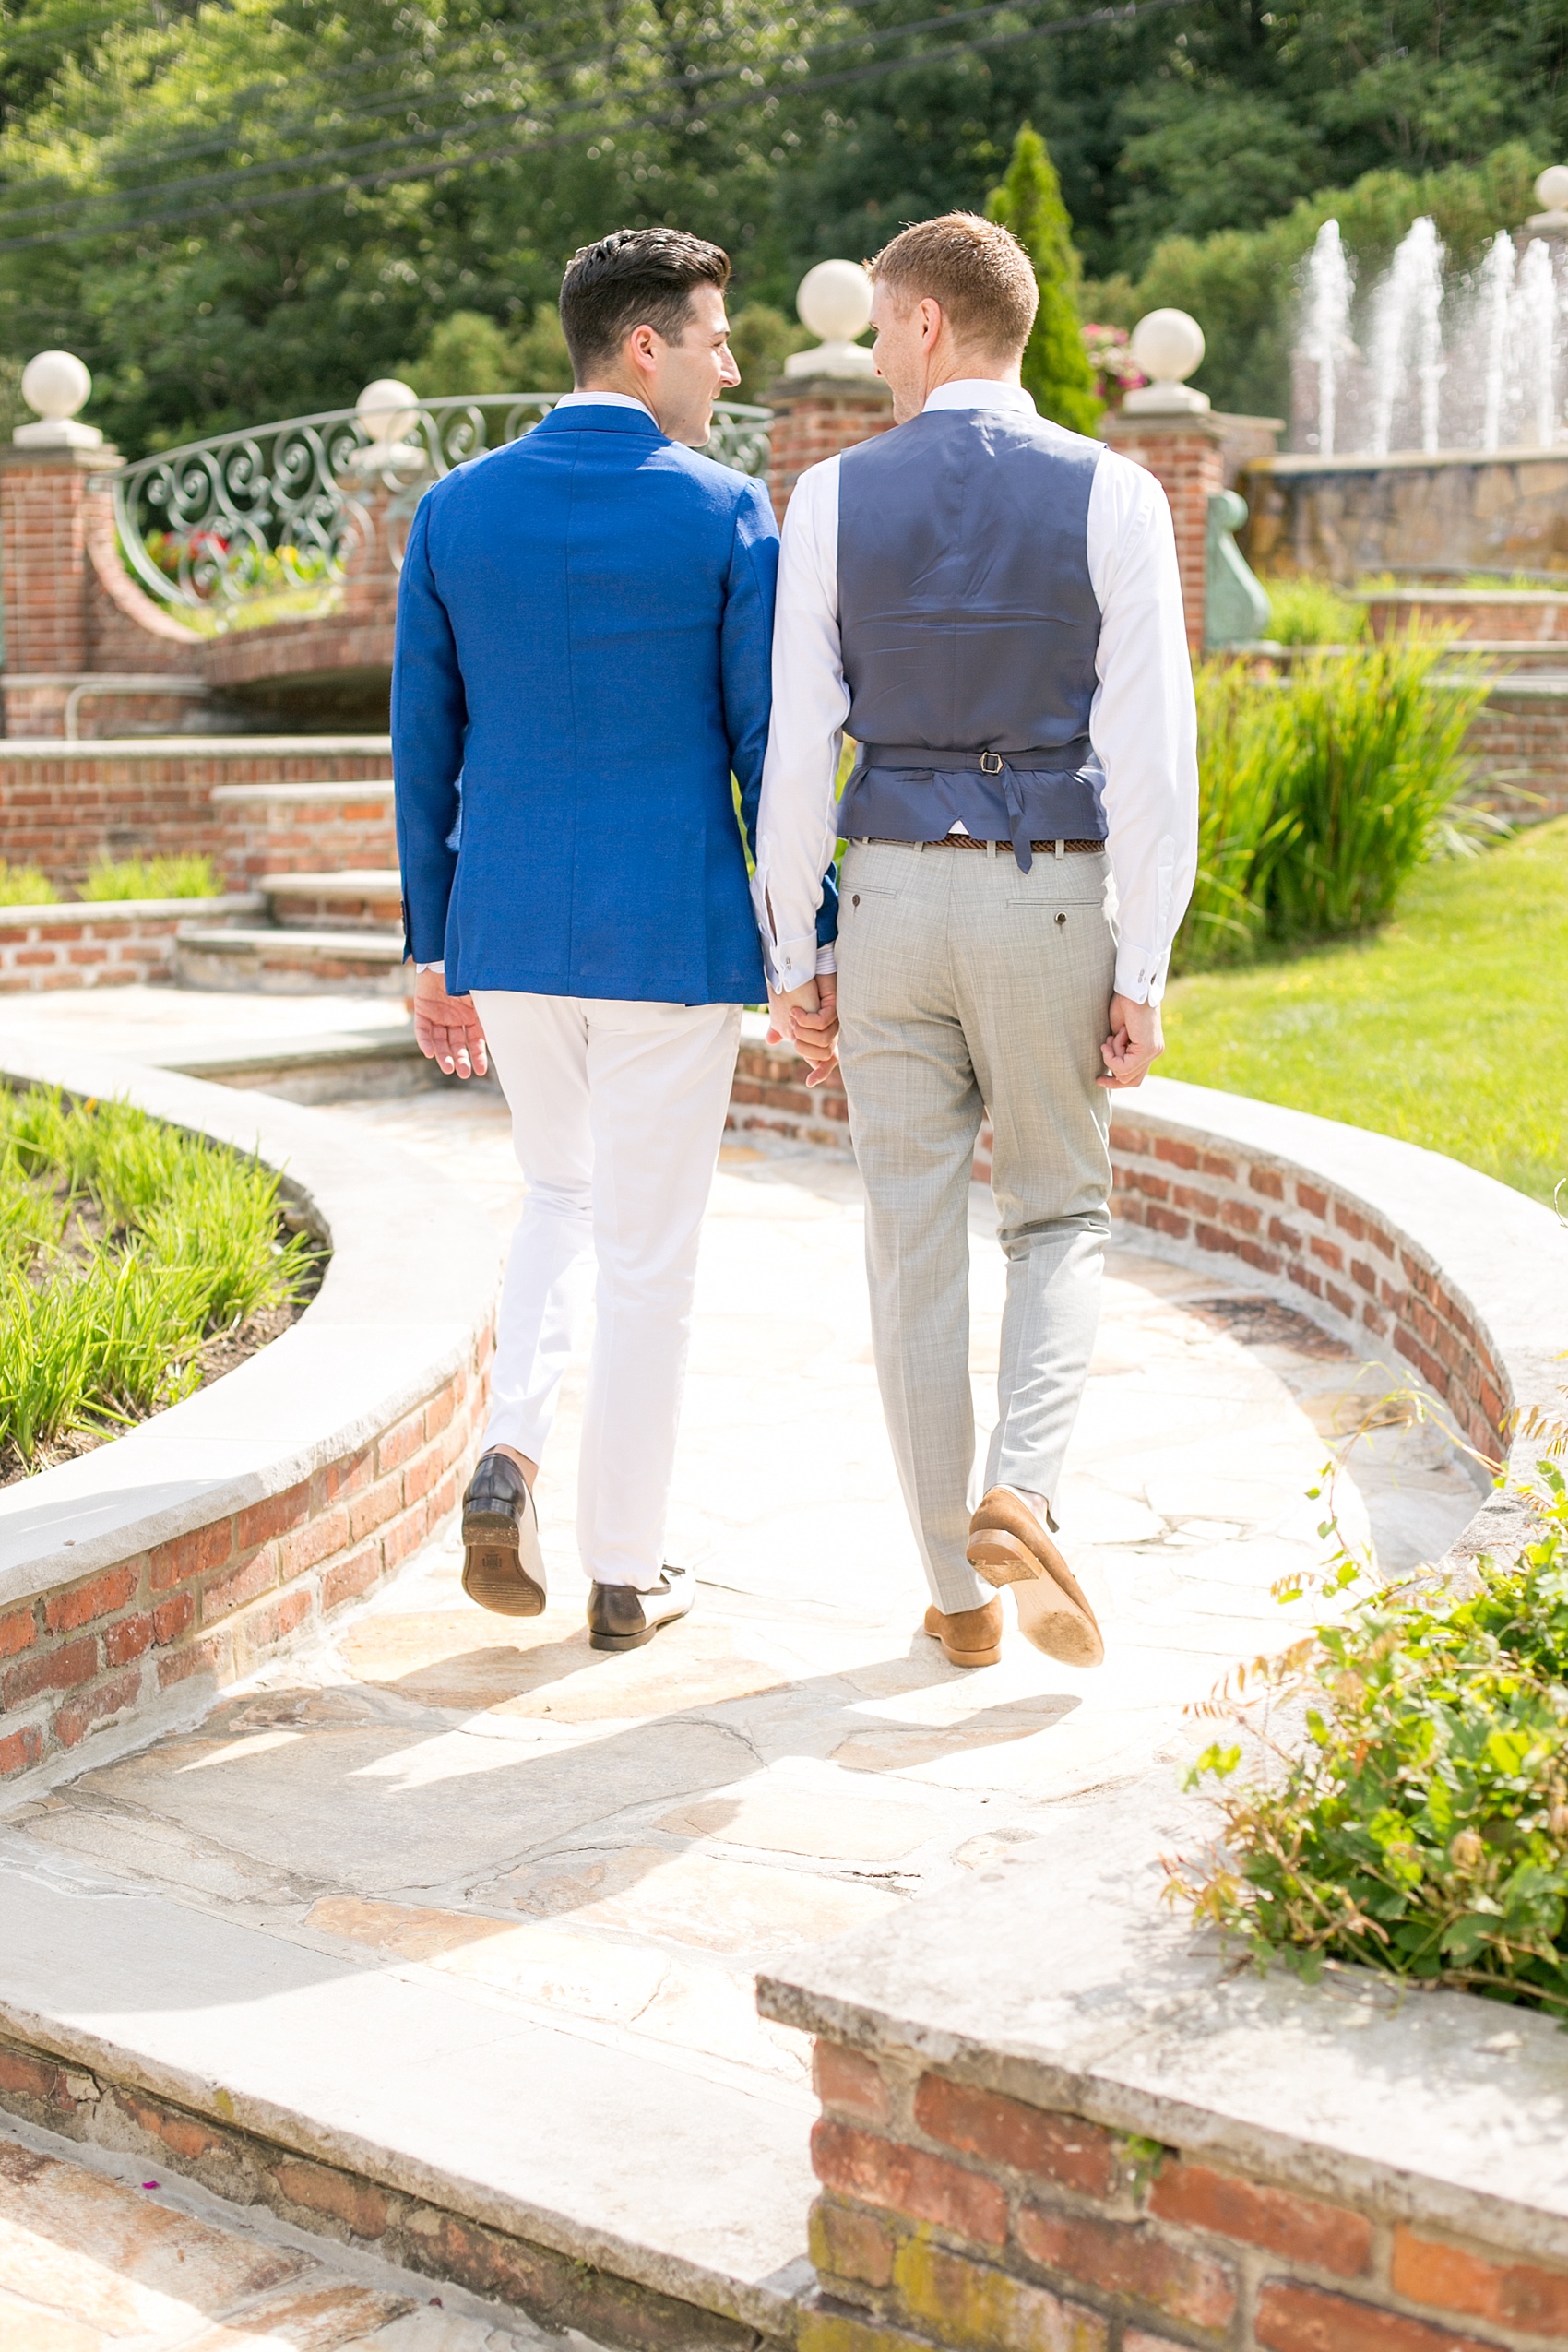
{"x":220,"y":1600}
{"x":274,"y":835}
{"x":1529,"y":620}
{"x":1518,"y":744}
{"x":953,"y":2217}
{"x":66,"y":811}
{"x":1225,"y":1208}
{"x":1185,"y":454}
{"x":67,"y":947}
{"x":816,"y":423}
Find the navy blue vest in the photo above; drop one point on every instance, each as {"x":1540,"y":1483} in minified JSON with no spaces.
{"x":968,"y":626}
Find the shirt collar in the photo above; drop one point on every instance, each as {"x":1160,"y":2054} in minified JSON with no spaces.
{"x":980,"y":392}
{"x":603,"y":401}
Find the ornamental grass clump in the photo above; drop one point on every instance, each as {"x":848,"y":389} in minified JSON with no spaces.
{"x":1421,"y":1829}
{"x":172,"y":877}
{"x":1321,"y":793}
{"x":126,"y":1247}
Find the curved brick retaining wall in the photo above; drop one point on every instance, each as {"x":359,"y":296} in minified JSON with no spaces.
{"x":1053,"y":2117}
{"x":176,"y":1558}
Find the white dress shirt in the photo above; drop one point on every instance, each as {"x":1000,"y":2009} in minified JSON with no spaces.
{"x":568,"y":400}
{"x":1141,"y":721}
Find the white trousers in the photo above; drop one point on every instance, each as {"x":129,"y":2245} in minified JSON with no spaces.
{"x":617,"y":1110}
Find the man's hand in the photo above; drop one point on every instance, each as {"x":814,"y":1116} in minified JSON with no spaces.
{"x":816,"y":1035}
{"x":446,"y":1029}
{"x":1135,"y":1043}
{"x":806,"y":1019}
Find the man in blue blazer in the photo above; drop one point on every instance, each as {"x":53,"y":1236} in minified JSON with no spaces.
{"x":584,"y":634}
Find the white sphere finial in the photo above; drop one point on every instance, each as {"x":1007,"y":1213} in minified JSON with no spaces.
{"x":54,"y":386}
{"x":1168,"y":345}
{"x":388,"y":409}
{"x":1553,"y":188}
{"x":834,"y":300}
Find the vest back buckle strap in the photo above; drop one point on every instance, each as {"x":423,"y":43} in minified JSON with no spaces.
{"x":991,"y":763}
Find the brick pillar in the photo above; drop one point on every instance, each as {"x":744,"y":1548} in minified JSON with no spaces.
{"x":370,"y":575}
{"x":814,"y":417}
{"x":46,"y":511}
{"x":1184,"y":451}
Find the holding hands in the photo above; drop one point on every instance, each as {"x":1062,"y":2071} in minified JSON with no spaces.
{"x":807,"y":1019}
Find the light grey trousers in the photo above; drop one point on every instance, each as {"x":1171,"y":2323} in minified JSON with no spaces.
{"x":968,"y":986}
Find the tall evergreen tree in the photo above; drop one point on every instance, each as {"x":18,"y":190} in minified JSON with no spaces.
{"x":1056,"y":366}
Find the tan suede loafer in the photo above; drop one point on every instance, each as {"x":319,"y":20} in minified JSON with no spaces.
{"x":968,"y":1636}
{"x":1008,"y":1546}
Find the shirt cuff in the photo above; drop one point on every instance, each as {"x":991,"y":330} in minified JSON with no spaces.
{"x":791,"y":962}
{"x":1141,"y":972}
{"x":439,"y":965}
{"x":827,"y":960}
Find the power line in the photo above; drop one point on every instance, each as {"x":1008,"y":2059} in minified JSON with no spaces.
{"x":1132,"y":12}
{"x":1093,"y":20}
{"x":462,"y":83}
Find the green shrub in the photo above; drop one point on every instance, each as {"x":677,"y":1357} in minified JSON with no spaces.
{"x":1310,"y":611}
{"x":1422,"y":1828}
{"x":1056,"y":367}
{"x":174,"y":877}
{"x":26,"y":886}
{"x":124,"y":1245}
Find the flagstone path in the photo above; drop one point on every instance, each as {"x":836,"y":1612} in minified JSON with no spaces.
{"x":612,"y":1845}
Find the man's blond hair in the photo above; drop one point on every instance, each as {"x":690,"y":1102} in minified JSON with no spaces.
{"x":977,"y":272}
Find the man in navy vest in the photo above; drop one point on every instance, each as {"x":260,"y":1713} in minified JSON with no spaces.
{"x":990,"y":608}
{"x":584,"y":628}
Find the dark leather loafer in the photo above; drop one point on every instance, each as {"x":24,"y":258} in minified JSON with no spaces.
{"x":503,"y":1561}
{"x":621,"y":1618}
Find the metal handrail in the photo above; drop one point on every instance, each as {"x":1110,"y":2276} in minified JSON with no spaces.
{"x":272,"y":511}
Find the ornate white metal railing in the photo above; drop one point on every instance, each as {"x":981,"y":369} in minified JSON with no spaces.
{"x":271,"y":512}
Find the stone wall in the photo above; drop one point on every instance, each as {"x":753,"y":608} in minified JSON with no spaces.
{"x":1406,"y":513}
{"x":955,"y":2216}
{"x":220,"y":1600}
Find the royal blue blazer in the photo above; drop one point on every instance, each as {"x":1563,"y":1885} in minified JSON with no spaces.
{"x":585,"y":626}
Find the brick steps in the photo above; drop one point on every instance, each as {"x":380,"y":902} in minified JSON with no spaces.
{"x":287,"y":961}
{"x":357,"y":898}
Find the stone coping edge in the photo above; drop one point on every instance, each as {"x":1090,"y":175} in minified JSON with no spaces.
{"x":192,"y":746}
{"x":393,"y":1317}
{"x":174,"y":1558}
{"x":130,"y":911}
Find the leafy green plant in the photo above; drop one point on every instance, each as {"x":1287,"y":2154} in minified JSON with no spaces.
{"x":1307,"y":611}
{"x":26,"y":886}
{"x":1422,"y":1829}
{"x":171,"y":877}
{"x":124,"y":1245}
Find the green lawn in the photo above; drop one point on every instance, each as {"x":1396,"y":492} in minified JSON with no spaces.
{"x":1444,"y":1028}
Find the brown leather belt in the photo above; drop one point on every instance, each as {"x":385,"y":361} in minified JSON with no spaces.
{"x":970,"y":841}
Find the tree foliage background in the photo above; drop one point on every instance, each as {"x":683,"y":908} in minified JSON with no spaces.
{"x":245,"y":209}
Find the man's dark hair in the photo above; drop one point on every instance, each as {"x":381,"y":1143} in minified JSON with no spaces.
{"x":633,"y":278}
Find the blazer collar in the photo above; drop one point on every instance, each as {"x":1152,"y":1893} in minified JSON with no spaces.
{"x":596,"y":417}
